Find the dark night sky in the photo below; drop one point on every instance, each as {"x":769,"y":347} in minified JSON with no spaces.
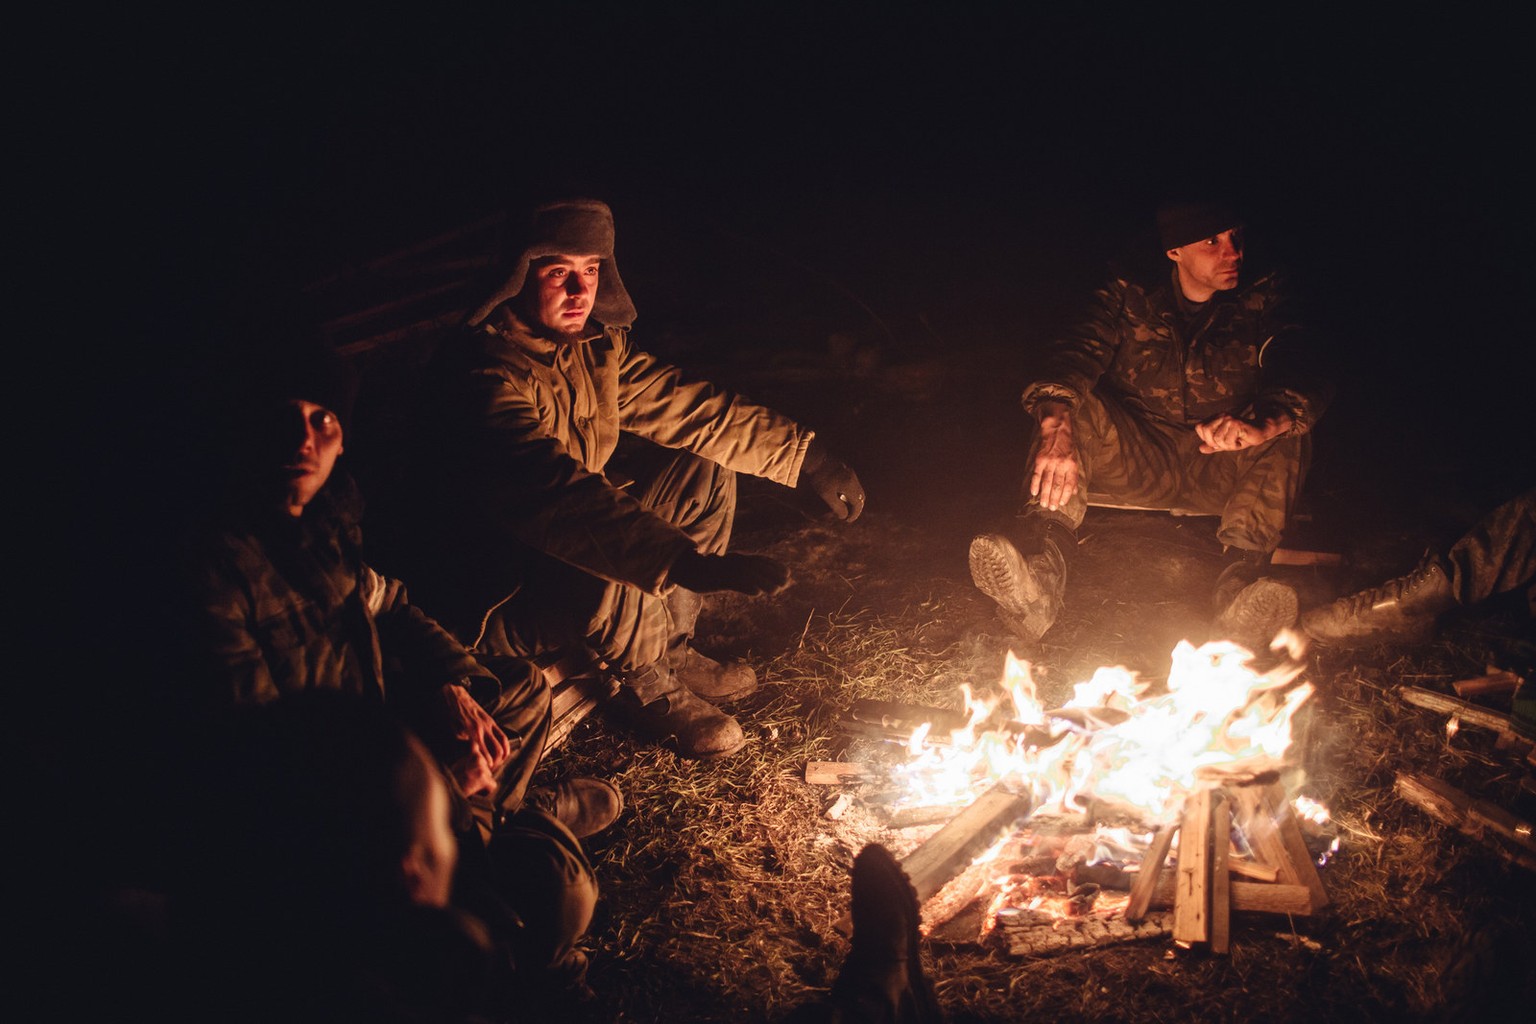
{"x":973,"y":160}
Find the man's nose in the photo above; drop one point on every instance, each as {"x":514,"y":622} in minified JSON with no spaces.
{"x":575,"y":284}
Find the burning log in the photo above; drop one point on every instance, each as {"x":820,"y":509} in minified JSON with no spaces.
{"x":1500,"y":830}
{"x":905,"y":718}
{"x":951,"y":849}
{"x":968,"y":835}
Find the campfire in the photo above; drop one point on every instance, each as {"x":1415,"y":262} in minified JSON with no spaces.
{"x":1122,"y":814}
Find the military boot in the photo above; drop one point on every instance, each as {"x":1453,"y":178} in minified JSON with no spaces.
{"x":713,"y":680}
{"x":585,"y":806}
{"x":882,"y":978}
{"x":1250,"y":607}
{"x":655,"y":703}
{"x":1402,"y":609}
{"x":1023,"y":567}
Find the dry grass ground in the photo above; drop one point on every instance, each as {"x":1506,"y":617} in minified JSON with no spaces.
{"x":722,"y":882}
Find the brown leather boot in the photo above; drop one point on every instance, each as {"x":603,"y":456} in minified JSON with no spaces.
{"x":585,"y":806}
{"x":654,"y":702}
{"x":713,"y":680}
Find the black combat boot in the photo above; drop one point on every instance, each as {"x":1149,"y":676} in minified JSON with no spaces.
{"x":1250,"y":607}
{"x":1023,"y":567}
{"x":882,"y":978}
{"x":1403,"y":609}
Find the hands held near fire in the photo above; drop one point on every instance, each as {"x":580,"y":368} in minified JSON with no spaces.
{"x":833,"y":480}
{"x":1229,"y":434}
{"x":756,"y":575}
{"x":1054,"y":476}
{"x":489,"y":748}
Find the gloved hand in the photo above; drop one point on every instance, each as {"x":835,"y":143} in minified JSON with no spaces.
{"x":745,"y":574}
{"x":833,"y":480}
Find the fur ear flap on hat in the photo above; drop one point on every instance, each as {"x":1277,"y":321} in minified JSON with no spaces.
{"x":570,"y":227}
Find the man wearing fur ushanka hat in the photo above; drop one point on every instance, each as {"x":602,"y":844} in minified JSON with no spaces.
{"x":1183,"y":390}
{"x":586,"y":490}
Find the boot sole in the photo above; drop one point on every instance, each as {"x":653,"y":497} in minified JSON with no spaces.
{"x":998,"y":572}
{"x":1259,"y":611}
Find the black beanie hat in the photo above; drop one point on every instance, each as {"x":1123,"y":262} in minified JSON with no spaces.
{"x":287,"y":357}
{"x":570,"y":227}
{"x":1182,"y":223}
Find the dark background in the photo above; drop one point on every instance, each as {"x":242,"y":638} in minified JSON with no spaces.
{"x":973,"y":166}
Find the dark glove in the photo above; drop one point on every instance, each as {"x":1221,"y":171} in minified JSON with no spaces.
{"x":831,"y":478}
{"x":745,"y":574}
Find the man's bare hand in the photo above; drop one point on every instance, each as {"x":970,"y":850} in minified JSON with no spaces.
{"x":489,"y":748}
{"x":1229,"y":434}
{"x":1055,"y":475}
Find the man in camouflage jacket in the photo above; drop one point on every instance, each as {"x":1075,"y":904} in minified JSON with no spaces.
{"x":1190,"y":393}
{"x":593,"y":488}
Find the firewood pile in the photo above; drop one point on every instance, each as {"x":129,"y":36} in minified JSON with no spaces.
{"x":994,"y":874}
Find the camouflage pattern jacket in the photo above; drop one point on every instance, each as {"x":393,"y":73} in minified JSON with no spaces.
{"x":283,"y":604}
{"x":1243,"y":352}
{"x":528,"y":428}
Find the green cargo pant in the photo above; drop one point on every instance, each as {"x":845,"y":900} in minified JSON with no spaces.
{"x":1131,"y":459}
{"x":560,"y":609}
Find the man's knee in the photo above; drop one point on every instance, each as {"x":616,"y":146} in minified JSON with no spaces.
{"x":548,"y":880}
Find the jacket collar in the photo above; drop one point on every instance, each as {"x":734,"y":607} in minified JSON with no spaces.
{"x":511,"y":328}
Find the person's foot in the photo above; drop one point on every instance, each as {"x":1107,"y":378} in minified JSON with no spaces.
{"x":664,"y":709}
{"x":1025,"y":574}
{"x":1402,"y":609}
{"x":1250,"y":607}
{"x":713,"y":680}
{"x":585,"y":806}
{"x":882,"y":978}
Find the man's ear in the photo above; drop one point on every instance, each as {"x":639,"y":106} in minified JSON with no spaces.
{"x":1174,"y":255}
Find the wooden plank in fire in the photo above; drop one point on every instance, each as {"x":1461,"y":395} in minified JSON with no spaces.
{"x":1249,"y":897}
{"x":1151,"y":870}
{"x":968,"y":835}
{"x":1273,"y":833}
{"x":1192,"y":905}
{"x":1221,"y":883}
{"x":1043,"y":939}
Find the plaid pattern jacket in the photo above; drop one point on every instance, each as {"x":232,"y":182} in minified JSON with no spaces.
{"x":283,"y":604}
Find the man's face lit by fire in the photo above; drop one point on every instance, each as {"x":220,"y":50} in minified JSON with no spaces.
{"x":1210,"y":265}
{"x":310,"y":439}
{"x":559,"y":292}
